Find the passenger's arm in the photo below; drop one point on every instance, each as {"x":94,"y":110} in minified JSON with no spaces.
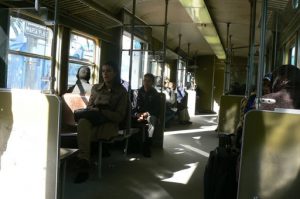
{"x":92,"y":98}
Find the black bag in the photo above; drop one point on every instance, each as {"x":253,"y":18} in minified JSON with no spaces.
{"x":220,"y":174}
{"x":94,"y":116}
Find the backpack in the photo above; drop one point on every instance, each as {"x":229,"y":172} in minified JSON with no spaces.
{"x":220,"y":174}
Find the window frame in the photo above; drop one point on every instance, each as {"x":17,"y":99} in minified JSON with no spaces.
{"x":143,"y":58}
{"x":15,"y":14}
{"x":93,"y":65}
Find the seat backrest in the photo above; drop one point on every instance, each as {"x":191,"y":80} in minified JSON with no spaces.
{"x":229,"y":113}
{"x":71,"y":102}
{"x":270,"y":163}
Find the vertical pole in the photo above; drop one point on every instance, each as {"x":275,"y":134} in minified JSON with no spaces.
{"x":131,"y":43}
{"x":164,"y":43}
{"x":226,"y":87}
{"x":130,"y":66}
{"x":275,"y":42}
{"x":178,"y":60}
{"x":188,"y":53}
{"x":53,"y":50}
{"x":37,"y":5}
{"x":261,"y":64}
{"x":251,"y":47}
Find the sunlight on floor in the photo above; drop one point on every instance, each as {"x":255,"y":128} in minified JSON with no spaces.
{"x":183,"y":176}
{"x":195,"y":150}
{"x":200,"y":129}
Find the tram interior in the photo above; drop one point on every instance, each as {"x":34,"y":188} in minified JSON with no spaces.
{"x":219,"y":51}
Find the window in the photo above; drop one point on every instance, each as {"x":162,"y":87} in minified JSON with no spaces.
{"x":181,"y":73}
{"x":139,"y":61}
{"x":82,"y":51}
{"x":295,"y":4}
{"x":292,"y":55}
{"x":29,"y":56}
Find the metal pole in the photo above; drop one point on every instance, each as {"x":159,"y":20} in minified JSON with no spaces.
{"x":251,"y":47}
{"x":178,"y":58}
{"x":275,"y":43}
{"x":37,"y":5}
{"x":130,"y":66}
{"x":225,"y":90}
{"x":131,"y":43}
{"x":261,"y":63}
{"x":165,"y":42}
{"x":53,"y":50}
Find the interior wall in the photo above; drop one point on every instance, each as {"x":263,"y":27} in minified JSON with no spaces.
{"x":210,"y":80}
{"x":218,"y":81}
{"x":203,"y":77}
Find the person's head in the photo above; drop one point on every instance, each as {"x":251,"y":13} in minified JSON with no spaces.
{"x":285,"y":77}
{"x":84,"y":73}
{"x":171,"y":85}
{"x":110,"y":73}
{"x":148,"y":81}
{"x":266,"y":87}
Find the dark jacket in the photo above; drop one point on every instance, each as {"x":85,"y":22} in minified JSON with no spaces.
{"x":147,"y":102}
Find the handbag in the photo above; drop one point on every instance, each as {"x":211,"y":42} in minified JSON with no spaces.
{"x":184,"y":115}
{"x":94,"y":116}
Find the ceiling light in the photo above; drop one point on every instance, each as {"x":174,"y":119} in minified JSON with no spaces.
{"x":200,"y":15}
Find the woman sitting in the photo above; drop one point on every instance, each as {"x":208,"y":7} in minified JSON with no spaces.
{"x":110,"y":99}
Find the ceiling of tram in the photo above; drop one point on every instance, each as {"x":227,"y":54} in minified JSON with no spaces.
{"x":235,"y":12}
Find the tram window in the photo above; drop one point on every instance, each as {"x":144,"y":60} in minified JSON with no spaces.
{"x":139,"y":61}
{"x":292,"y":55}
{"x":295,"y":4}
{"x":181,"y":73}
{"x":81,"y":52}
{"x":29,"y":61}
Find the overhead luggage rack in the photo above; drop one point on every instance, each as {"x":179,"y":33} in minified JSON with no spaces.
{"x":85,"y":11}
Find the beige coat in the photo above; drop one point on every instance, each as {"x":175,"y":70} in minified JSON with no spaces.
{"x":112,"y":104}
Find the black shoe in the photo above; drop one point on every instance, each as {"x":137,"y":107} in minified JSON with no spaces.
{"x":81,"y":177}
{"x":147,"y":152}
{"x":147,"y":147}
{"x":83,"y":166}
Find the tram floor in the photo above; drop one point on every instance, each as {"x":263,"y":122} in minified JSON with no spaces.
{"x":174,"y":172}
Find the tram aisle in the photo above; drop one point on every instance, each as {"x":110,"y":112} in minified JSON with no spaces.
{"x":176,"y":172}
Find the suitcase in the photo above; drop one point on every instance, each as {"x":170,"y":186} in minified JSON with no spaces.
{"x":220,"y":180}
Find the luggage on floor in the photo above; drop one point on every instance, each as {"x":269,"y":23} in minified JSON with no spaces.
{"x":220,"y":174}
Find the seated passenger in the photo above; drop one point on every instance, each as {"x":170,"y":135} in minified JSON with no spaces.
{"x":285,"y":88}
{"x":248,"y":103}
{"x":110,"y":99}
{"x":82,"y":85}
{"x":182,"y":109}
{"x":170,"y":102}
{"x":146,"y":110}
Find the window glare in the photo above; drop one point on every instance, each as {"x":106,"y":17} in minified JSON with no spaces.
{"x":139,"y":62}
{"x":32,"y":71}
{"x":29,"y":37}
{"x":81,"y":52}
{"x":82,"y":48}
{"x":28,"y":73}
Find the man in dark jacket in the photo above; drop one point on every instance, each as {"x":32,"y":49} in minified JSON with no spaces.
{"x":146,"y":109}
